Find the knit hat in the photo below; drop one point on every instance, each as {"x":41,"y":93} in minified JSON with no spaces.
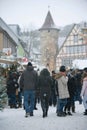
{"x":85,"y":69}
{"x":29,"y":64}
{"x":53,"y":72}
{"x":62,"y":68}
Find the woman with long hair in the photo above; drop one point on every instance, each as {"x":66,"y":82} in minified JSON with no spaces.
{"x":45,"y":90}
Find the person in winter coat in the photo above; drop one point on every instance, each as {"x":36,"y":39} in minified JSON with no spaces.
{"x":28,"y":84}
{"x":63,"y":92}
{"x":12,"y":86}
{"x":78,"y":77}
{"x":84,"y":92}
{"x":19,"y":97}
{"x":71,"y":87}
{"x":44,"y":83}
{"x":54,"y":90}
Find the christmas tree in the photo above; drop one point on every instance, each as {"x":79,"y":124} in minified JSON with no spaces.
{"x":3,"y":90}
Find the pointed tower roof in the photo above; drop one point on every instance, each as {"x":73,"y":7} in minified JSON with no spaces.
{"x":49,"y":23}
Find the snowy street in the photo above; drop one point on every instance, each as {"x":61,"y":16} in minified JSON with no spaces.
{"x":14,"y":119}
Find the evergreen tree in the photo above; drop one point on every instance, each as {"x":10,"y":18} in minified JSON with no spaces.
{"x":3,"y":90}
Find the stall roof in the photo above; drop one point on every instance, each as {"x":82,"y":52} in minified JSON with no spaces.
{"x":8,"y":61}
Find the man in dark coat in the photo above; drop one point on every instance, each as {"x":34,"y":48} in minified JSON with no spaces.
{"x":28,"y":83}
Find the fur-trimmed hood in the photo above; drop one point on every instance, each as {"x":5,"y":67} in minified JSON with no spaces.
{"x":59,"y":75}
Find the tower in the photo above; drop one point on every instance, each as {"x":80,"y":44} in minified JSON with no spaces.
{"x":49,"y":42}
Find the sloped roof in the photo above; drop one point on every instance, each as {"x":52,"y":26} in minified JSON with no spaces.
{"x":49,"y":23}
{"x":63,"y":34}
{"x":23,"y":45}
{"x":65,"y":31}
{"x":6,"y":28}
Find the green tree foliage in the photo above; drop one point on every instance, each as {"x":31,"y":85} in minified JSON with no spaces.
{"x":3,"y":90}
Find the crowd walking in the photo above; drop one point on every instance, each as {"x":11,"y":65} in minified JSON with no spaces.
{"x":61,"y":90}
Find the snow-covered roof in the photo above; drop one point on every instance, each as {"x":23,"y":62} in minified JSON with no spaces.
{"x":63,"y":34}
{"x":49,"y":23}
{"x":65,"y":31}
{"x":7,"y":29}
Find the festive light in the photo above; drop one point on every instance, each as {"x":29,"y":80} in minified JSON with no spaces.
{"x":24,"y":59}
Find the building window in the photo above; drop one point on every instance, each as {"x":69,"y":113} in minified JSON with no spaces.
{"x":75,"y":38}
{"x":76,"y":49}
{"x":85,"y":24}
{"x":67,"y":62}
{"x":81,"y":39}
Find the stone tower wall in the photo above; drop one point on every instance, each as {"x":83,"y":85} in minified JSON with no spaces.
{"x":49,"y":47}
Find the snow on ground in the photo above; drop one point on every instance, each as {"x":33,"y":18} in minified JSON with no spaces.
{"x":13,"y":119}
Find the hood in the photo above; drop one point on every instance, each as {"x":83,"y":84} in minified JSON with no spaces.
{"x":58,"y":75}
{"x":45,"y":72}
{"x":29,"y":68}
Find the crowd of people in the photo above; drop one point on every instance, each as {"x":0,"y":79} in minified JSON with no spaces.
{"x":27,"y":88}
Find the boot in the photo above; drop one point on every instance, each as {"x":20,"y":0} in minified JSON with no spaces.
{"x":27,"y":114}
{"x":11,"y":106}
{"x":65,"y":109}
{"x":31,"y":114}
{"x":35,"y":108}
{"x":85,"y":113}
{"x":20,"y":105}
{"x":73,"y":109}
{"x":44,"y":113}
{"x":69,"y":113}
{"x":61,"y":114}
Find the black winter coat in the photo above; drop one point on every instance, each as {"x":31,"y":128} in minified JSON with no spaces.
{"x":29,"y":79}
{"x":45,"y":82}
{"x":71,"y":85}
{"x":12,"y":83}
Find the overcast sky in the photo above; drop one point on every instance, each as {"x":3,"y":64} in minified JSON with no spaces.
{"x":33,"y":12}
